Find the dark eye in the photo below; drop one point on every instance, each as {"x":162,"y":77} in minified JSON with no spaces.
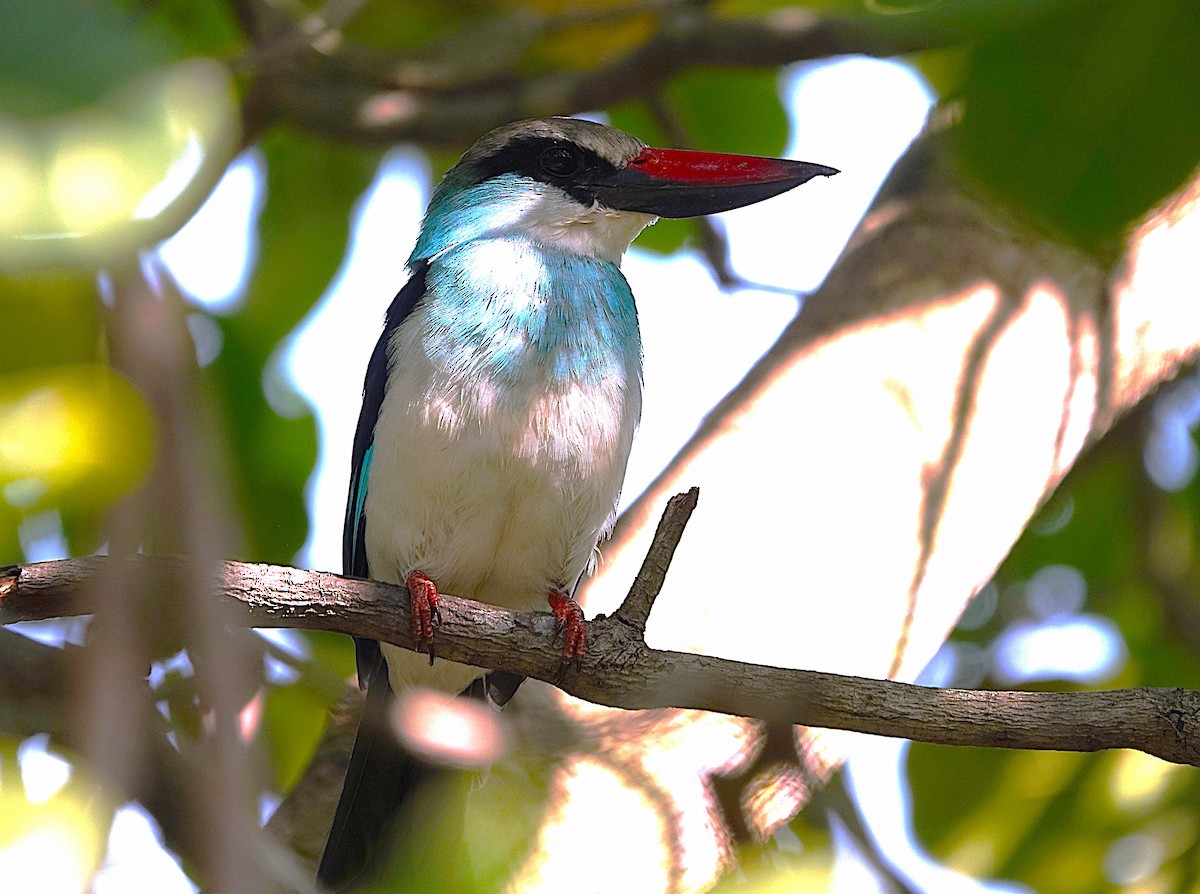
{"x":559,"y":161}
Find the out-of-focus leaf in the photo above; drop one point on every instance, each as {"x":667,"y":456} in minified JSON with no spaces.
{"x":502,"y":819}
{"x":331,"y":651}
{"x":63,"y":54}
{"x":976,"y":806}
{"x":1087,"y":118}
{"x":68,"y":434}
{"x":101,"y":182}
{"x":294,"y":719}
{"x":730,"y":111}
{"x":590,"y":34}
{"x":944,"y":69}
{"x":799,"y":857}
{"x":50,"y":319}
{"x":303,"y":229}
{"x":192,"y":27}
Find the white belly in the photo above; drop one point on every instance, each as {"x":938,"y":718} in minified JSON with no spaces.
{"x":496,"y":498}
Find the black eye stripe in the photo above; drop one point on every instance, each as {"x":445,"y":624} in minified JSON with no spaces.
{"x":546,"y":159}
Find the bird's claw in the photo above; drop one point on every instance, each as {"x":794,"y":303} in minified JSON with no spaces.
{"x":570,"y":625}
{"x":426,"y":610}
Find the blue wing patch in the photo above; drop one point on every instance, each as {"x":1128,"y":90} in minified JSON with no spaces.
{"x":360,"y":498}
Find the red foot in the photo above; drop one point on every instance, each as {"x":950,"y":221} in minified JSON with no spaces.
{"x":571,"y":625}
{"x":426,"y":616}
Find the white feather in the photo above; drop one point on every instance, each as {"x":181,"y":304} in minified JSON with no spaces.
{"x":497,"y":492}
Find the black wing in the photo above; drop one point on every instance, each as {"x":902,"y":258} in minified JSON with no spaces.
{"x":354,"y":554}
{"x":354,"y":531}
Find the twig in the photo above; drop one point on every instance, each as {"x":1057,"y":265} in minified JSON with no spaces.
{"x":635,"y":610}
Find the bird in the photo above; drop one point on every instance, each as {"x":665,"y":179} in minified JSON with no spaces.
{"x":499,"y":407}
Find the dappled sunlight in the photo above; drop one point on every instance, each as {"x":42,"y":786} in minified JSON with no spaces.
{"x":630,"y":821}
{"x":657,"y":765}
{"x":1156,"y":314}
{"x":891,"y":430}
{"x":89,"y":181}
{"x":774,"y":796}
{"x":1141,"y":787}
{"x":456,"y":732}
{"x":54,"y":845}
{"x":1140,"y":782}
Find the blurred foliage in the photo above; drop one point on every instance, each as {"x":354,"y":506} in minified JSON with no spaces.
{"x":71,"y":433}
{"x":1087,"y":117}
{"x":1080,"y":114}
{"x":800,"y":856}
{"x":303,"y":231}
{"x":502,"y":819}
{"x":1084,"y":823}
{"x":49,"y":840}
{"x":109,"y":141}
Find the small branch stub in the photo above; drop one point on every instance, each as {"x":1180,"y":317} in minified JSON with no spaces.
{"x":635,"y":610}
{"x":9,"y":576}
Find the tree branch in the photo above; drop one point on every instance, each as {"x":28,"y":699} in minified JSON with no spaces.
{"x":621,"y":671}
{"x":366,"y":96}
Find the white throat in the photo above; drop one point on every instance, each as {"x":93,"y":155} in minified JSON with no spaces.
{"x":554,"y":218}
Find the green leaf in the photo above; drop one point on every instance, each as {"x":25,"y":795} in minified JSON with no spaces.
{"x":708,"y":102}
{"x":57,"y":315}
{"x":57,"y":55}
{"x":1087,"y":118}
{"x":192,"y":27}
{"x":332,"y":651}
{"x":94,"y":186}
{"x":293,"y":722}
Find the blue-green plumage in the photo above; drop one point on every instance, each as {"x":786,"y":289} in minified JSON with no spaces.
{"x":501,"y":399}
{"x":543,"y":311}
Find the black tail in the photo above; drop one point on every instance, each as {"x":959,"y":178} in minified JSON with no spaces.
{"x":395,"y":807}
{"x":381,"y":776}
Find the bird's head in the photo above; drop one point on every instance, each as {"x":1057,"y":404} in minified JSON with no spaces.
{"x":589,"y":189}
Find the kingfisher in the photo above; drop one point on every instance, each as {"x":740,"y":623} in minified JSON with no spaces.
{"x":499,"y":408}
